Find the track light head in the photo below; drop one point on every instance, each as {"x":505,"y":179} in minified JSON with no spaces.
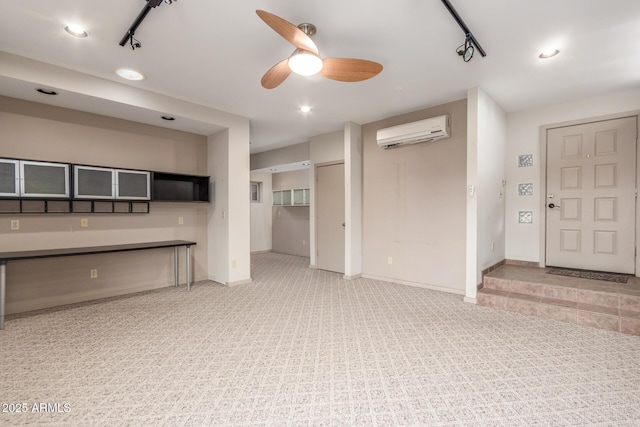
{"x":466,"y":50}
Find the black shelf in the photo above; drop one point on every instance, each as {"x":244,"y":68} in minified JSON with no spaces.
{"x":169,"y":187}
{"x":48,"y":206}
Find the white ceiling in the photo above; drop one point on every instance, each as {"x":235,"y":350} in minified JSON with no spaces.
{"x":213,"y":54}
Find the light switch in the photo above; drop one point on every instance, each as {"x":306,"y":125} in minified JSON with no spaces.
{"x":471,"y":190}
{"x":15,"y":224}
{"x":84,"y":222}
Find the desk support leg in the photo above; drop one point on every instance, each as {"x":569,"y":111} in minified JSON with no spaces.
{"x":175,"y":265}
{"x":3,"y":285}
{"x":188,"y":267}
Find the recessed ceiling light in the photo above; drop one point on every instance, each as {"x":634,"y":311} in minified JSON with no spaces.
{"x":76,"y":30}
{"x":168,"y":118}
{"x":47,"y":91}
{"x":129,"y":74}
{"x":548,"y":53}
{"x":305,"y":109}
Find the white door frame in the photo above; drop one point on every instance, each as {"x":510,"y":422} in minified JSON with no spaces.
{"x":542,"y":205}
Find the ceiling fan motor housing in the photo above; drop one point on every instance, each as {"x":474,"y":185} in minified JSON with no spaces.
{"x":308,"y":29}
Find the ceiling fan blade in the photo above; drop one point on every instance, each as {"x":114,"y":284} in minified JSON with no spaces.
{"x":349,"y":69}
{"x":290,"y":32}
{"x":276,"y":75}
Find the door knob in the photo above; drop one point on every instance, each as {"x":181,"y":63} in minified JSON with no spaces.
{"x":552,"y":205}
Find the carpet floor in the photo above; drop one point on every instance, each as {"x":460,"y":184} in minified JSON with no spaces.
{"x":305,"y":347}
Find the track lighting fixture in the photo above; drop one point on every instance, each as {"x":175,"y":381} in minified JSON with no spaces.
{"x":128,"y":36}
{"x":470,"y":43}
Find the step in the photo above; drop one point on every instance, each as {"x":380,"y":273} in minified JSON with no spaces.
{"x":530,"y":291}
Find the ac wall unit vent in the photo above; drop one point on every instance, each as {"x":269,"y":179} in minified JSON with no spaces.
{"x":412,"y":133}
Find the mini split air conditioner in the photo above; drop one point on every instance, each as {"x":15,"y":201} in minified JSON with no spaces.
{"x":412,"y":133}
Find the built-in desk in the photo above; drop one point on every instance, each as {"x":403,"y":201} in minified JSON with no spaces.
{"x":5,"y":257}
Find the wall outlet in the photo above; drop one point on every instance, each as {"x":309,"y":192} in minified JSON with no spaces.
{"x":180,"y":220}
{"x":304,"y":243}
{"x":389,"y":260}
{"x":493,"y":246}
{"x":223,"y":215}
{"x":93,"y":273}
{"x":15,"y":224}
{"x":233,"y":264}
{"x":84,"y":222}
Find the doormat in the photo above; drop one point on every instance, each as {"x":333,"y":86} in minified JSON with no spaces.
{"x":586,"y":274}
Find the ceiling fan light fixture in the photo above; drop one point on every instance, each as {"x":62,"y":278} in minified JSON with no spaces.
{"x":305,"y":63}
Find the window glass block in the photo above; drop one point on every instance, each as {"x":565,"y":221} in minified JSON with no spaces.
{"x":525,"y":160}
{"x":525,"y":217}
{"x":525,"y":189}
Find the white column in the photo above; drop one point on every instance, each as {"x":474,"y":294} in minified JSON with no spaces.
{"x":353,"y":200}
{"x":229,"y":221}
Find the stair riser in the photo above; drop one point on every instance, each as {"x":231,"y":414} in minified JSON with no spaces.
{"x":571,"y":315}
{"x":629,"y":303}
{"x":582,"y":296}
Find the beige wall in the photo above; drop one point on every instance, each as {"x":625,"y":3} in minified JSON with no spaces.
{"x":290,"y":224}
{"x":36,"y":131}
{"x":414,"y":205}
{"x":281,"y":156}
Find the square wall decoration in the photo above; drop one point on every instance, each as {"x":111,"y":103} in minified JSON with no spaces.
{"x":525,"y":160}
{"x":525,"y":189}
{"x":525,"y":217}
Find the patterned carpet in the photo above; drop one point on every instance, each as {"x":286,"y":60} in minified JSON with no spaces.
{"x":304,"y":347}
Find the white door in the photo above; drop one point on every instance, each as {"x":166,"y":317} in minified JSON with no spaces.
{"x":330,"y":217}
{"x":590,"y":205}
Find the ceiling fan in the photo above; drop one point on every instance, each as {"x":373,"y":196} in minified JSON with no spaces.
{"x":306,"y":61}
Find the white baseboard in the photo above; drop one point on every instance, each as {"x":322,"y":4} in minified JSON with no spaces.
{"x":355,"y":276}
{"x":238,"y":282}
{"x":415,"y":284}
{"x":86,"y":296}
{"x":470,"y":300}
{"x":92,"y":295}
